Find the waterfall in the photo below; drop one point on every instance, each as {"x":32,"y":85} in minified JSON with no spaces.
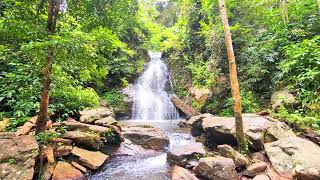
{"x":151,"y":101}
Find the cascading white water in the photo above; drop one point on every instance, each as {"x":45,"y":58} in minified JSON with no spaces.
{"x":151,"y":101}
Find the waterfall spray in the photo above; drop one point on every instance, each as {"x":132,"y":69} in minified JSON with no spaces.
{"x":151,"y":100}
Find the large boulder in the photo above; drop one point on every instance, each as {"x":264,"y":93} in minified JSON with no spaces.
{"x":17,"y":156}
{"x":90,"y":159}
{"x":72,"y":125}
{"x":90,"y":116}
{"x":65,"y":171}
{"x":216,"y":168}
{"x":146,"y":136}
{"x":127,"y":148}
{"x":259,"y":130}
{"x":109,"y":134}
{"x":106,"y":121}
{"x":179,"y":173}
{"x":84,"y":139}
{"x":256,"y":168}
{"x":295,"y":156}
{"x":183,"y":155}
{"x":195,"y":123}
{"x":282,"y":98}
{"x":227,"y":151}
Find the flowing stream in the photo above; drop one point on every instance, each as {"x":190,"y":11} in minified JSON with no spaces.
{"x":152,"y":106}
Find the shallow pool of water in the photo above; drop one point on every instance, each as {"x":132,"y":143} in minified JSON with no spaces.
{"x":148,"y":165}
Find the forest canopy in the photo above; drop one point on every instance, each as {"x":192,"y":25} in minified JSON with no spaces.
{"x":100,"y":46}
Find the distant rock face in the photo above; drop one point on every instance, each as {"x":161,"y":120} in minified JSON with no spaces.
{"x":90,"y":159}
{"x":147,"y":136}
{"x":181,"y":156}
{"x":259,"y":130}
{"x":228,"y":152}
{"x":295,"y":156}
{"x":179,"y":173}
{"x":17,"y":156}
{"x":65,"y":171}
{"x":90,"y":116}
{"x":216,"y":168}
{"x":282,"y":98}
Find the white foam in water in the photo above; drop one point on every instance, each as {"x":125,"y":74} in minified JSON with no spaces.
{"x":151,"y":101}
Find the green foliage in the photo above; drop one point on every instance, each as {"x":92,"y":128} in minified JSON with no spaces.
{"x":110,"y":137}
{"x":44,"y":138}
{"x":196,"y":105}
{"x":95,"y":45}
{"x":201,"y":75}
{"x":248,"y":102}
{"x":296,"y":119}
{"x":301,"y":70}
{"x":115,"y":99}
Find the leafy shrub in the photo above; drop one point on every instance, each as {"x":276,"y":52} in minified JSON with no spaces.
{"x":114,"y":98}
{"x":248,"y":102}
{"x":196,"y":104}
{"x":68,"y":100}
{"x":301,"y":71}
{"x":201,"y":75}
{"x":296,"y":119}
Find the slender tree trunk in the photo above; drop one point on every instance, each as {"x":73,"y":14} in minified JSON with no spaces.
{"x":319,"y":5}
{"x":241,"y":140}
{"x":284,"y":11}
{"x":53,"y":10}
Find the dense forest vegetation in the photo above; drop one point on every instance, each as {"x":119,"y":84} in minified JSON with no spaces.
{"x":99,"y":47}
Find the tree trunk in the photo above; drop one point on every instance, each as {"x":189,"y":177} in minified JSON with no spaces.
{"x":188,"y":110}
{"x":319,"y":5}
{"x":284,"y":11}
{"x":53,"y":11}
{"x":241,"y":140}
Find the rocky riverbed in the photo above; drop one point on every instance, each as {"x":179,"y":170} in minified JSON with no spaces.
{"x":98,"y":147}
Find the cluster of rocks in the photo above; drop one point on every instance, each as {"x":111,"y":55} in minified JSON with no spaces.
{"x":68,"y":157}
{"x":81,"y":147}
{"x":277,"y":153}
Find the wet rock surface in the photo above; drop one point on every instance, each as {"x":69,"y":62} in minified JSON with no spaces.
{"x":17,"y":156}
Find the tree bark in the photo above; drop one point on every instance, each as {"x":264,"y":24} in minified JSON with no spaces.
{"x":284,"y":11}
{"x":241,"y":140}
{"x":53,"y":11}
{"x":188,"y":110}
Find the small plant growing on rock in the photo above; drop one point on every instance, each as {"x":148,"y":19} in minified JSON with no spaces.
{"x":44,"y":138}
{"x":12,"y":161}
{"x":110,"y":137}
